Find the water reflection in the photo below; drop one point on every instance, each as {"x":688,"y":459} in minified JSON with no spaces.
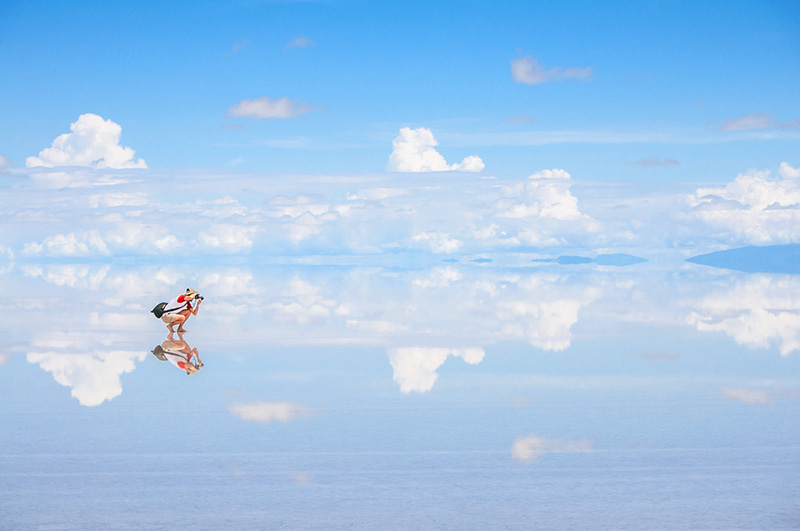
{"x":756,"y":311}
{"x":415,"y":367}
{"x":418,"y":319}
{"x":88,"y":365}
{"x":178,"y":352}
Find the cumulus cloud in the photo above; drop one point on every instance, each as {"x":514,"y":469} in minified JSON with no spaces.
{"x":759,"y":312}
{"x":71,"y":275}
{"x":530,"y":449}
{"x":755,"y":208}
{"x":228,"y":237}
{"x":415,"y":367}
{"x":756,"y":121}
{"x":787,"y":172}
{"x":541,"y":211}
{"x":266,"y":412}
{"x":83,"y":243}
{"x":92,"y":142}
{"x":437,"y":242}
{"x":302,"y":303}
{"x":414,"y":152}
{"x":261,"y":108}
{"x":530,"y":71}
{"x":299,"y":42}
{"x":230,"y":283}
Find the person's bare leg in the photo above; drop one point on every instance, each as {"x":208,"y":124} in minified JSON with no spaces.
{"x":184,"y":317}
{"x":179,"y":321}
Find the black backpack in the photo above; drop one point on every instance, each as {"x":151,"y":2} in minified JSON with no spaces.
{"x":158,"y":352}
{"x":158,"y":311}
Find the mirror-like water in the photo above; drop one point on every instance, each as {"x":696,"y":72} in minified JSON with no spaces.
{"x":467,"y":395}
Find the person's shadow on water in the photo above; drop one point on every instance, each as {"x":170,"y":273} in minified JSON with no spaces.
{"x":178,"y":353}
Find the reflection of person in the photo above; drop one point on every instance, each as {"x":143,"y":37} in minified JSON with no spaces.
{"x":178,"y":310}
{"x":178,"y":353}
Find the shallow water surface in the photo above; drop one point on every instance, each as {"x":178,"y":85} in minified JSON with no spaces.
{"x":467,"y":396}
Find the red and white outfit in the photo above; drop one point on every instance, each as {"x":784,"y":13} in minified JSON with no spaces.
{"x":175,"y":307}
{"x":178,"y":359}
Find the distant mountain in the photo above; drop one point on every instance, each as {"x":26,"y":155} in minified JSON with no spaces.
{"x":770,"y":259}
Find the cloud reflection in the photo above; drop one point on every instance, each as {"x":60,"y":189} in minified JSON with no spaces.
{"x":755,"y":312}
{"x":530,"y":449}
{"x":415,"y":367}
{"x":266,"y":412}
{"x":93,"y":376}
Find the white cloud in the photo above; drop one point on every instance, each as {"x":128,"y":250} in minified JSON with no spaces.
{"x":754,"y":207}
{"x":756,"y":121}
{"x":266,"y":412}
{"x":69,"y":275}
{"x":541,"y":211}
{"x":787,"y":172}
{"x":84,"y":243}
{"x":414,"y":152}
{"x":227,"y":237}
{"x":415,"y":367}
{"x":299,"y":42}
{"x":261,"y":108}
{"x":93,"y":142}
{"x":302,"y":303}
{"x":532,"y":448}
{"x":75,"y":178}
{"x":757,"y":313}
{"x":438,"y":242}
{"x":297,"y":205}
{"x":114,"y":200}
{"x":530,"y":71}
{"x":748,"y":396}
{"x":230,"y":284}
{"x":5,"y":162}
{"x":545,"y":195}
{"x":377,"y":194}
{"x":440,"y":277}
{"x":134,"y":235}
{"x":93,"y":377}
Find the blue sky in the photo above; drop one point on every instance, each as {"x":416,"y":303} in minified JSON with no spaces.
{"x":661,"y":81}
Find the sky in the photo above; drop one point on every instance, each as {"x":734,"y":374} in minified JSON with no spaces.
{"x":623,"y":91}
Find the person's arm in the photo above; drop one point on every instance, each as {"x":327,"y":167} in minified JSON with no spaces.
{"x":196,"y":306}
